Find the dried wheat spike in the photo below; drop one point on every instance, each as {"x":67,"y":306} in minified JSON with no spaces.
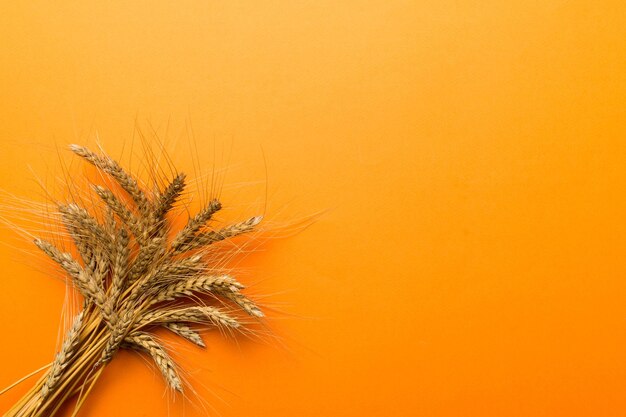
{"x":208,"y":238}
{"x":86,"y":284}
{"x":120,"y":327}
{"x":63,"y":358}
{"x":182,"y":268}
{"x":194,"y":314}
{"x":186,"y":332}
{"x":194,"y":224}
{"x":78,"y":220}
{"x":203,"y":283}
{"x":144,"y":341}
{"x":120,"y":264}
{"x":123,"y":213}
{"x":112,"y":168}
{"x":243,"y":302}
{"x":148,"y":254}
{"x":168,"y":197}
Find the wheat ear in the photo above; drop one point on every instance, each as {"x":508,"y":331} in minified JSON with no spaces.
{"x":63,"y":357}
{"x":168,"y":197}
{"x":194,"y":314}
{"x":187,"y":234}
{"x":186,"y":332}
{"x":144,"y":341}
{"x":208,"y":238}
{"x":86,"y":284}
{"x":112,"y":168}
{"x":203,"y":283}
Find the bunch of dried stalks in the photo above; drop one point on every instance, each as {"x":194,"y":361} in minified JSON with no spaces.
{"x":134,"y":278}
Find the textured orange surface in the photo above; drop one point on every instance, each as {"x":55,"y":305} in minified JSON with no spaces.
{"x":471,"y":155}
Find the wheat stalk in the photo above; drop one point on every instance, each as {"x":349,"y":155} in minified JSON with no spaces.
{"x":134,"y":280}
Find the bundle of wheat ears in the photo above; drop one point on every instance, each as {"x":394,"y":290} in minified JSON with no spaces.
{"x":136,"y":275}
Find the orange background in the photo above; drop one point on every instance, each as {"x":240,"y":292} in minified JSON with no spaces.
{"x":471,"y":155}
